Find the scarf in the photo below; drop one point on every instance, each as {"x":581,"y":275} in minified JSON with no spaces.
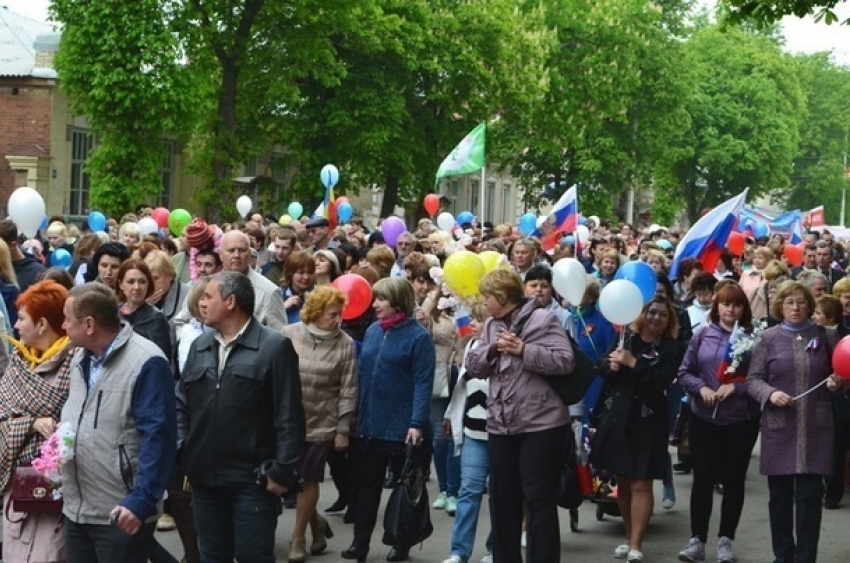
{"x":393,"y":320}
{"x":320,"y":334}
{"x":31,"y":354}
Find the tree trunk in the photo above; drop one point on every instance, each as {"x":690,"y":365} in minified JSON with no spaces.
{"x":390,"y":196}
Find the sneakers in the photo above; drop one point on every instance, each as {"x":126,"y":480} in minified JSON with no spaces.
{"x":635,"y":556}
{"x":440,"y":501}
{"x":165,"y":523}
{"x":724,"y":550}
{"x":487,"y":558}
{"x":694,"y":552}
{"x":451,"y":505}
{"x":668,"y":497}
{"x":621,"y":551}
{"x":455,"y":559}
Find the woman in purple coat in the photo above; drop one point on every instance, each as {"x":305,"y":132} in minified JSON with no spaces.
{"x":527,"y":423}
{"x":724,"y":426}
{"x":797,"y":429}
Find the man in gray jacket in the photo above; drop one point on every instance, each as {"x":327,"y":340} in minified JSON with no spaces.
{"x":121,"y":405}
{"x":241,"y":424}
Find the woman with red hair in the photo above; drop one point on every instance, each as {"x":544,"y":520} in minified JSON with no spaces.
{"x":32,"y":393}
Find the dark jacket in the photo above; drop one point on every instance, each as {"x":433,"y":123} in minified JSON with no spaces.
{"x":27,"y":269}
{"x":228,"y":424}
{"x":149,"y":322}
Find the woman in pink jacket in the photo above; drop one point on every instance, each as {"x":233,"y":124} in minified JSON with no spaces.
{"x":526,"y":421}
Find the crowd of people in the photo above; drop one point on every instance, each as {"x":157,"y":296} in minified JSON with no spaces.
{"x":214,"y":377}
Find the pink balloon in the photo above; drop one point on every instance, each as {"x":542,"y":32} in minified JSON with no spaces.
{"x":160,"y":215}
{"x":391,"y":228}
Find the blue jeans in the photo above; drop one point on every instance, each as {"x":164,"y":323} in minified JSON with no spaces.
{"x":446,"y":463}
{"x":235,"y":523}
{"x":474,"y":469}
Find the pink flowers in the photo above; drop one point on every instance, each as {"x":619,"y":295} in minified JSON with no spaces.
{"x":56,"y":451}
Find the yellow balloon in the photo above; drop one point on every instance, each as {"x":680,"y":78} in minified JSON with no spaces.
{"x":285,"y":219}
{"x":492,"y":260}
{"x":462,"y":272}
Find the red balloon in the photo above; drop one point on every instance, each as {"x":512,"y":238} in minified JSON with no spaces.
{"x":432,"y":204}
{"x":736,"y":243}
{"x":359,"y":295}
{"x":160,"y":215}
{"x":341,"y":199}
{"x":794,"y":254}
{"x":841,"y":359}
{"x":801,"y":245}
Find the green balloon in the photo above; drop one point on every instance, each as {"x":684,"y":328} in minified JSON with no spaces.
{"x":177,"y":221}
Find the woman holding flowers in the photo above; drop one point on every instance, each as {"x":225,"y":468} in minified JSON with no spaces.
{"x":32,"y":393}
{"x":790,"y":366}
{"x":725,"y":421}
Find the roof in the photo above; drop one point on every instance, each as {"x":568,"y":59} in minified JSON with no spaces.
{"x":18,"y":36}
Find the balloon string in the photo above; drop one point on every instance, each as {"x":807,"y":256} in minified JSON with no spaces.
{"x":803,"y":394}
{"x":623,"y":338}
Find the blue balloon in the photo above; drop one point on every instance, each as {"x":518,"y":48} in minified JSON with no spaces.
{"x":582,"y":220}
{"x":97,"y":221}
{"x":344,"y":211}
{"x":329,"y":175}
{"x":61,"y":258}
{"x":528,"y":224}
{"x":761,"y":230}
{"x":465,"y":217}
{"x":642,"y":275}
{"x":664,"y":243}
{"x":569,"y":239}
{"x":43,"y":224}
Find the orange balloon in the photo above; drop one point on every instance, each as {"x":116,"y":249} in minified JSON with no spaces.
{"x":794,"y":254}
{"x":736,"y":243}
{"x":432,"y":204}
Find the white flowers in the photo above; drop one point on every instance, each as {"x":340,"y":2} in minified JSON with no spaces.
{"x":743,"y":343}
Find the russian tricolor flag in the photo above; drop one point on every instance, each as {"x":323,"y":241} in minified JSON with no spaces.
{"x":707,"y":239}
{"x":723,"y":375}
{"x":562,"y":220}
{"x":463,"y":322}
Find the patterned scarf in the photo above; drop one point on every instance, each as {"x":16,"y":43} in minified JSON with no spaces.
{"x":24,"y":396}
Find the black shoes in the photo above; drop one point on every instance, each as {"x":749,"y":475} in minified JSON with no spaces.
{"x":682,"y":467}
{"x":338,"y":506}
{"x":831,"y":503}
{"x":399,"y":554}
{"x":353,"y":552}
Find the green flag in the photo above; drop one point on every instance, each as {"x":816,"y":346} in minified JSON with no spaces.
{"x":467,"y":156}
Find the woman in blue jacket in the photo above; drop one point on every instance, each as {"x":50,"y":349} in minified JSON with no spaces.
{"x":397,"y":365}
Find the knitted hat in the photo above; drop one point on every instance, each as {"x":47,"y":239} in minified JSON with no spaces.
{"x":198,"y":234}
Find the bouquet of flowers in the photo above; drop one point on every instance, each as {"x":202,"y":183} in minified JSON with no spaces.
{"x":56,"y":452}
{"x":733,"y":368}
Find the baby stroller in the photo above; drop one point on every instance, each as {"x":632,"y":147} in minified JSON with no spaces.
{"x":605,"y":495}
{"x":575,"y":483}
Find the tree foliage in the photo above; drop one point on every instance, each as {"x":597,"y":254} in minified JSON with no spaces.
{"x":765,"y":12}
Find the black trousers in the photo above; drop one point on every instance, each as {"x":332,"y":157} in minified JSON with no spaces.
{"x":835,"y":483}
{"x":719,"y":454}
{"x":524,"y":470}
{"x":94,"y":543}
{"x":802,"y":494}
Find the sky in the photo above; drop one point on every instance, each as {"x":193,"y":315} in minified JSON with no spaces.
{"x":802,"y":35}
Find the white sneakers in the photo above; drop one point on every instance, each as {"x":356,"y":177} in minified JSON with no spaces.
{"x":621,"y":551}
{"x":694,"y":552}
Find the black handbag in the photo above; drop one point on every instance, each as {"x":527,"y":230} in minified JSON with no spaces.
{"x":568,"y":494}
{"x":407,"y":519}
{"x":571,"y":387}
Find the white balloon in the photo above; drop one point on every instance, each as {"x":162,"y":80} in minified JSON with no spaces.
{"x":654,"y":227}
{"x":542,"y":219}
{"x":595,"y":220}
{"x":26,"y":209}
{"x":569,"y":279}
{"x":621,"y":302}
{"x":446,"y":221}
{"x":583,"y":233}
{"x":243,"y":205}
{"x":148,"y":226}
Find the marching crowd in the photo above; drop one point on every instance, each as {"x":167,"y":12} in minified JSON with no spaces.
{"x":210,"y":374}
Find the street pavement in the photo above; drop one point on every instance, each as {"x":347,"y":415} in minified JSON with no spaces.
{"x":595,"y":540}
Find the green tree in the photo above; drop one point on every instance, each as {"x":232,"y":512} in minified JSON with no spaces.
{"x":119,"y":65}
{"x":818,"y":176}
{"x":745,"y":116}
{"x":766,"y":12}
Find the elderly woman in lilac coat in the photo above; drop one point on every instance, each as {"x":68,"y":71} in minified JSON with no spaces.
{"x":797,"y":429}
{"x":521,"y":345}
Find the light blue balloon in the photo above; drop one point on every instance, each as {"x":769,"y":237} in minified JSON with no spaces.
{"x":582,"y":220}
{"x":329,"y":176}
{"x":465,"y":217}
{"x":61,"y":258}
{"x":642,"y":275}
{"x":295,"y":210}
{"x":97,"y":221}
{"x":761,"y":230}
{"x":569,"y":239}
{"x":664,"y":243}
{"x":43,"y":224}
{"x":528,"y":224}
{"x":344,"y":212}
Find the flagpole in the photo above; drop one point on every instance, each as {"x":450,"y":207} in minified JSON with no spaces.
{"x":483,"y":178}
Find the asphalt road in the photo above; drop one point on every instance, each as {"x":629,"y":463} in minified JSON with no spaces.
{"x":595,"y":540}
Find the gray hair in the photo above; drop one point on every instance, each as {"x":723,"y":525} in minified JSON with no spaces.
{"x":97,"y":301}
{"x":809,"y":277}
{"x":238,"y":285}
